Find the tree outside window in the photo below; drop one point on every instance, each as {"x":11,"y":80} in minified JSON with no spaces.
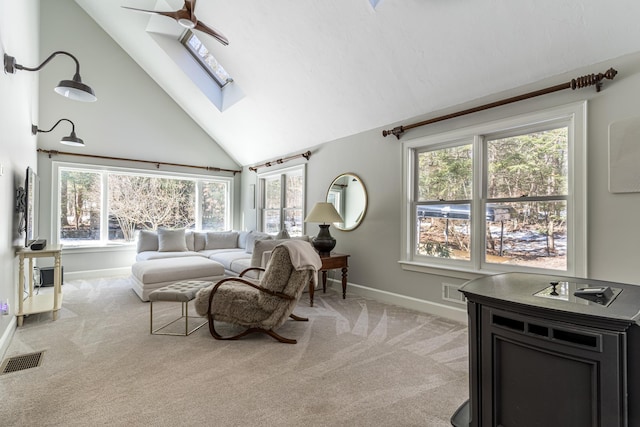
{"x":283,"y":201}
{"x":500,"y":199}
{"x":109,"y":206}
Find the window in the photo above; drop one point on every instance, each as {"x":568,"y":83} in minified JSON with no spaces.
{"x":508,"y":195}
{"x":205,"y":58}
{"x":282,"y":201}
{"x":98,"y":206}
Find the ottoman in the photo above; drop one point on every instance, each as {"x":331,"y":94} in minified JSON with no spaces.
{"x":181,"y":292}
{"x":156,"y":273}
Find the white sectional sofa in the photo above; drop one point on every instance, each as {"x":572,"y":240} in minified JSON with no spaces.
{"x":168,"y":256}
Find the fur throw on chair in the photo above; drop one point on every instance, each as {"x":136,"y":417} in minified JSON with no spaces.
{"x":265,"y":305}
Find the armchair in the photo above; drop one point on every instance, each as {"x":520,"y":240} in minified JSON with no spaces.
{"x":262,"y":306}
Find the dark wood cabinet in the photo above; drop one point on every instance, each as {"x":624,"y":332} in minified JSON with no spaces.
{"x":541,"y":356}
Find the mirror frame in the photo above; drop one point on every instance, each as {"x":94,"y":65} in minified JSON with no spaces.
{"x":339,"y":226}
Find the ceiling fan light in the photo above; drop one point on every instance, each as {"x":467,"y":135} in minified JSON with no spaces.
{"x":77,"y":91}
{"x":187,"y":23}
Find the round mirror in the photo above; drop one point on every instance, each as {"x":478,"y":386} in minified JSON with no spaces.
{"x":348,"y":195}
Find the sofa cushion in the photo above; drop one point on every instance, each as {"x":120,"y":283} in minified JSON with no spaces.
{"x":242,"y":239}
{"x":251,"y":240}
{"x":189,"y":237}
{"x":199,"y":240}
{"x":221,"y":240}
{"x":147,"y":241}
{"x":227,"y":257}
{"x":147,"y":255}
{"x":176,"y":269}
{"x":241,"y":264}
{"x":260,"y":247}
{"x":171,"y":240}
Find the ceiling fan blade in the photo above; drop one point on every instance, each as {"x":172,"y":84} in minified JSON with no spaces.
{"x":190,"y":6}
{"x":173,"y":15}
{"x":213,"y":33}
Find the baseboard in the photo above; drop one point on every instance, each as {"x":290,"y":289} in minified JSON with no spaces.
{"x":5,"y":339}
{"x":97,"y":274}
{"x":453,"y":313}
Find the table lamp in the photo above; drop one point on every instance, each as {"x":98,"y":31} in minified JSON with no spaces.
{"x":325,"y":214}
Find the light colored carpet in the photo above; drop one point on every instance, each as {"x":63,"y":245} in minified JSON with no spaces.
{"x":358,"y":362}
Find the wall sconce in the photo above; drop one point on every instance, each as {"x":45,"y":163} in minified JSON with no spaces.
{"x":73,"y":89}
{"x":67,"y":140}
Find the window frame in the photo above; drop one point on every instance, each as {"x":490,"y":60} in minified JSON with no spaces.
{"x":575,"y":116}
{"x":184,"y":41}
{"x":104,"y":241}
{"x":282,"y":173}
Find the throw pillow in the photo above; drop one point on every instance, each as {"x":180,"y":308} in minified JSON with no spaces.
{"x":221,"y":240}
{"x":242,"y":239}
{"x":251,"y":240}
{"x":260,"y":247}
{"x":147,"y":241}
{"x":189,"y":236}
{"x":283,"y":234}
{"x":171,"y":240}
{"x":199,"y":240}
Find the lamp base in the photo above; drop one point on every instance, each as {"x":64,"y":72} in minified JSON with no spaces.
{"x":324,"y":242}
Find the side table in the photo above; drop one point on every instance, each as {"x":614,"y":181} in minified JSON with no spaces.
{"x":39,"y":303}
{"x":331,"y":262}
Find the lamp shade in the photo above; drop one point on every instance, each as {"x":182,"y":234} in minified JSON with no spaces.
{"x":325,"y":213}
{"x":72,"y":139}
{"x":77,"y":91}
{"x":72,"y":89}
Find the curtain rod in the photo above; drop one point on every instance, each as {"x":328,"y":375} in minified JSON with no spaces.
{"x":208,"y":168}
{"x":306,"y":155}
{"x":578,"y":83}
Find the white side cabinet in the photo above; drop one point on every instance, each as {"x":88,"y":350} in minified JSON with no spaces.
{"x":39,"y":303}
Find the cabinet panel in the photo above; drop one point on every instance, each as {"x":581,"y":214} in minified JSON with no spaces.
{"x":544,"y":362}
{"x":540,"y":373}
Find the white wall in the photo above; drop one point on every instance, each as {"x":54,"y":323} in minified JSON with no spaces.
{"x":133,"y":118}
{"x":19,"y":94}
{"x":375,"y":246}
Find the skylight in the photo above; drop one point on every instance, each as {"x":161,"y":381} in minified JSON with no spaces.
{"x":206,"y":59}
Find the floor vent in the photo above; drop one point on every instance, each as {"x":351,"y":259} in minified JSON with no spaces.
{"x":18,"y":363}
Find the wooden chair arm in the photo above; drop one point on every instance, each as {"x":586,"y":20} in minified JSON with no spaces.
{"x":249,"y":269}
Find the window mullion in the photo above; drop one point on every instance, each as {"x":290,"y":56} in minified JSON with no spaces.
{"x":104,"y":207}
{"x":478,"y":224}
{"x":283,"y":199}
{"x":199,"y":200}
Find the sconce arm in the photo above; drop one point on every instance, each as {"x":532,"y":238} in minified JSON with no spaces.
{"x":34,"y":128}
{"x":12,"y":64}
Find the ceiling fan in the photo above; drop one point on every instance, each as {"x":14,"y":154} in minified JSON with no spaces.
{"x":187,"y":18}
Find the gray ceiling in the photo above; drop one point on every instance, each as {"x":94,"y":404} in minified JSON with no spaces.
{"x":313,"y":71}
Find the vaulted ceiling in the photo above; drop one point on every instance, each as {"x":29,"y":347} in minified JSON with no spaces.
{"x":312,"y":71}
